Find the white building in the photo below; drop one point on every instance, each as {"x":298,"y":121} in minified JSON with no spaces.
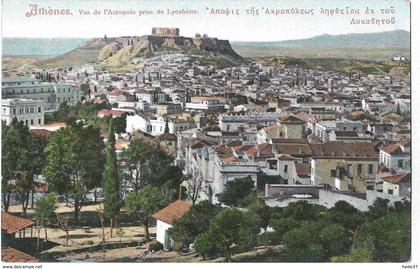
{"x":28,"y":111}
{"x":155,"y":125}
{"x":396,"y":157}
{"x":165,"y":218}
{"x":51,"y":94}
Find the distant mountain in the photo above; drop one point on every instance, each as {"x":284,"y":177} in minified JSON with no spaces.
{"x":379,"y":46}
{"x":390,"y":39}
{"x":14,"y":46}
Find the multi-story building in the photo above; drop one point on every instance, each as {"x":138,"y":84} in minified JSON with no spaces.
{"x":344,"y":166}
{"x":28,"y":111}
{"x":51,"y":94}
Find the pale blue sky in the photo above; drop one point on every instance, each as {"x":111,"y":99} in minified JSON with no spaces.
{"x":238,"y":28}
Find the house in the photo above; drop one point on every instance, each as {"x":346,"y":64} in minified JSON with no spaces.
{"x":399,"y":185}
{"x":396,"y":156}
{"x":344,"y":166}
{"x":165,"y":218}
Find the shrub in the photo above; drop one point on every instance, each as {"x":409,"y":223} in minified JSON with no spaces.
{"x":155,"y":246}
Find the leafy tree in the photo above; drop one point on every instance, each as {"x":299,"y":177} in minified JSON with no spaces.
{"x":111,"y":181}
{"x":44,"y":210}
{"x":206,"y":247}
{"x":282,"y":225}
{"x":379,"y":208}
{"x":19,"y":163}
{"x":257,"y":207}
{"x":388,"y":237}
{"x":356,"y":255}
{"x":345,"y":214}
{"x":147,"y":164}
{"x":143,"y":204}
{"x":194,"y":222}
{"x":302,"y":210}
{"x":335,"y":240}
{"x":74,"y":163}
{"x":236,"y":190}
{"x":230,"y":226}
{"x":303,"y":245}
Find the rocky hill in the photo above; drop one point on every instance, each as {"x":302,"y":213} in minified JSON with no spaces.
{"x":118,"y":53}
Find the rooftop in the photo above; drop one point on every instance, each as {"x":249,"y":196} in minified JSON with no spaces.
{"x":11,"y":223}
{"x":172,"y":212}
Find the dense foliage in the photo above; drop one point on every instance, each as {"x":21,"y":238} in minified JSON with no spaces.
{"x":236,"y":190}
{"x":74,"y":166}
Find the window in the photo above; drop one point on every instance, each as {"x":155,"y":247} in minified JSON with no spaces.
{"x":39,"y":109}
{"x":359,"y":169}
{"x":32,"y":122}
{"x":26,"y":122}
{"x":390,"y":191}
{"x":369,"y":187}
{"x":370,"y":167}
{"x":333,"y":173}
{"x":285,"y":168}
{"x":400,"y":163}
{"x":39,"y":121}
{"x":14,"y":111}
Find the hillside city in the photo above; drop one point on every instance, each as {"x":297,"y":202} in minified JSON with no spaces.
{"x":184,"y":160}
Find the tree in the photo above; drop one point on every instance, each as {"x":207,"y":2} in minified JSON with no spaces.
{"x":193,"y":188}
{"x":229,"y":227}
{"x":387,"y":237}
{"x":345,"y":214}
{"x":236,"y":190}
{"x":63,"y":224}
{"x":256,"y":206}
{"x":193,"y":222}
{"x":205,"y":246}
{"x":146,"y":164}
{"x":120,"y":123}
{"x":398,"y":111}
{"x":166,"y":127}
{"x":379,"y":208}
{"x":111,"y":181}
{"x":356,"y":255}
{"x":143,"y":204}
{"x":283,"y":225}
{"x":74,"y":163}
{"x":302,"y":210}
{"x":44,"y":210}
{"x":19,"y":163}
{"x":335,"y":240}
{"x":302,"y":243}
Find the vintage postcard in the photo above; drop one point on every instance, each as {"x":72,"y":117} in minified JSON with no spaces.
{"x":242,"y":131}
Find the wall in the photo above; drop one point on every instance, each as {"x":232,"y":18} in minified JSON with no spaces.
{"x":161,"y":227}
{"x":284,"y":191}
{"x":328,"y":199}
